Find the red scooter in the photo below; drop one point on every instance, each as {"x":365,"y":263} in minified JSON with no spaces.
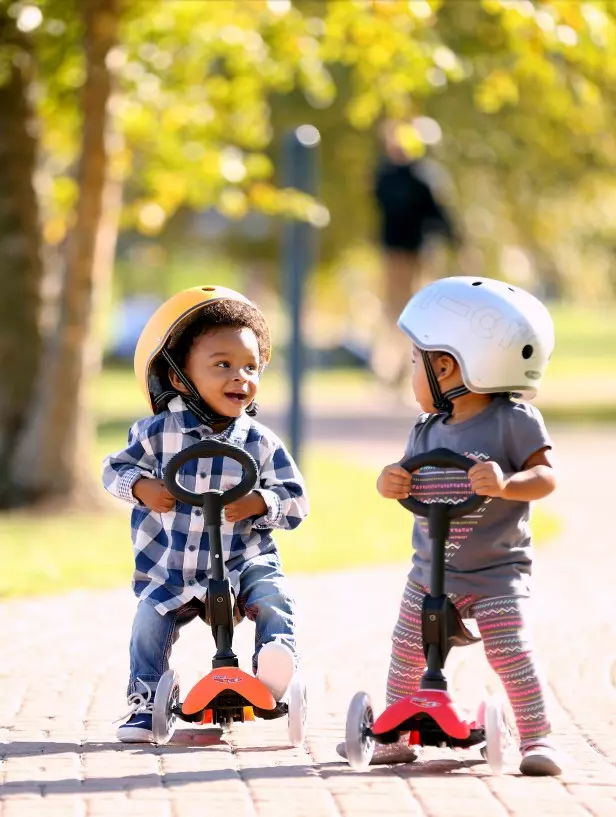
{"x":429,"y":716}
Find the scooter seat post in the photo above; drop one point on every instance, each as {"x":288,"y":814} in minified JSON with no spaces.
{"x":439,"y":524}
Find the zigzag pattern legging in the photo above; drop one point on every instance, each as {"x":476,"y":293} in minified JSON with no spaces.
{"x":507,"y":647}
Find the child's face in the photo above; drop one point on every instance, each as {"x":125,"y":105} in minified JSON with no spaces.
{"x":223,"y":365}
{"x":446,"y":370}
{"x":420,"y":384}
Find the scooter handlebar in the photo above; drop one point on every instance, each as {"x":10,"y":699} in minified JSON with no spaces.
{"x":206,"y":450}
{"x":440,"y":458}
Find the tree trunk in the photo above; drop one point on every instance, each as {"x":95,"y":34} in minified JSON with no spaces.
{"x":21,"y":266}
{"x":53,"y":458}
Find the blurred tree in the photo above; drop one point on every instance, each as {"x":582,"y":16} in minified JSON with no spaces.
{"x":174,"y":105}
{"x":47,"y":454}
{"x":21,"y":265}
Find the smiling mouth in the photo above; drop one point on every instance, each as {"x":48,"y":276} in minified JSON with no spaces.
{"x":236,"y":396}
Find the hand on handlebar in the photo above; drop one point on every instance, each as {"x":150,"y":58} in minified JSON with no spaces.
{"x":487,"y":479}
{"x":394,"y":482}
{"x":153,"y":494}
{"x":252,"y":504}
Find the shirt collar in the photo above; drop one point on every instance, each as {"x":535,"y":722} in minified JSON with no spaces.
{"x":235,"y":434}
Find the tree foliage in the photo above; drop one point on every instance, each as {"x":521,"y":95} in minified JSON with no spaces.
{"x":511,"y":83}
{"x":514,"y":97}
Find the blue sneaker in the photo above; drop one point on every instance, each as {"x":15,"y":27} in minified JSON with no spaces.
{"x":138,"y":727}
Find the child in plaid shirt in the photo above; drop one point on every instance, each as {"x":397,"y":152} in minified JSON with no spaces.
{"x":199,"y":360}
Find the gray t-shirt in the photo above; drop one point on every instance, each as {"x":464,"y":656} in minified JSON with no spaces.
{"x":489,"y":552}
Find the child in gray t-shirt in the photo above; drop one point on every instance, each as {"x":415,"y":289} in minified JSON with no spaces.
{"x":475,"y":342}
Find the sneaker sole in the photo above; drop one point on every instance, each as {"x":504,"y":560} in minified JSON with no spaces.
{"x":129,"y":734}
{"x":536,"y":766}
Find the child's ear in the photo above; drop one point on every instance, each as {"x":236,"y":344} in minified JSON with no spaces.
{"x":445,"y":367}
{"x":177,"y":383}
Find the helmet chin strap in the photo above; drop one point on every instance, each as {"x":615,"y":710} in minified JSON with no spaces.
{"x":194,"y":401}
{"x":443,"y":402}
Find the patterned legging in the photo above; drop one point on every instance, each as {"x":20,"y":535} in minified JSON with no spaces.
{"x":507,"y":647}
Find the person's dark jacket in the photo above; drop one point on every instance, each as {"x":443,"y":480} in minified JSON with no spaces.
{"x":409,"y":212}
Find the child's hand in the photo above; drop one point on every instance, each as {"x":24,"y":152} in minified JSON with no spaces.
{"x":487,"y":479}
{"x":252,"y":504}
{"x":153,"y":494}
{"x":394,"y":482}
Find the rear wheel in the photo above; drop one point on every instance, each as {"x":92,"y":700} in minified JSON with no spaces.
{"x":167,"y":697}
{"x":297,"y":704}
{"x":496,"y":734}
{"x":359,"y":723}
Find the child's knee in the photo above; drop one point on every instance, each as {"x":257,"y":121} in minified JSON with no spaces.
{"x":273,"y":604}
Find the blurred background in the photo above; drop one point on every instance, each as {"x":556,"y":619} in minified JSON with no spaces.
{"x":141,"y":152}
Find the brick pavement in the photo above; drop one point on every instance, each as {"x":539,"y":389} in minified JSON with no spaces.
{"x":64,"y":663}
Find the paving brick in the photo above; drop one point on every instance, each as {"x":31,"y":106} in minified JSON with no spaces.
{"x":61,"y":689}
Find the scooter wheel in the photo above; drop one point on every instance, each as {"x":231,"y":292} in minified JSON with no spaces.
{"x":167,"y":697}
{"x":297,"y":704}
{"x":359,"y":745}
{"x":480,"y":720}
{"x":495,"y":728}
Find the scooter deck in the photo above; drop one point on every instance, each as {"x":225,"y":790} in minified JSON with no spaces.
{"x":232,"y":679}
{"x":435,"y":703}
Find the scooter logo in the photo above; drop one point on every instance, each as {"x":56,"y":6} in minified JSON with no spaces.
{"x":225,"y":679}
{"x":424,"y":703}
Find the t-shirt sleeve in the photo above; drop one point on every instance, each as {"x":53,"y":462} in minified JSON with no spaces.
{"x":527,"y":434}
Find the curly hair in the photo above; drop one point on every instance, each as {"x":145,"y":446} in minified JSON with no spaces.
{"x":220,"y":315}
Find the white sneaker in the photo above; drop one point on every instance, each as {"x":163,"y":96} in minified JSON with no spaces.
{"x":275,"y":668}
{"x":138,"y":727}
{"x":540,"y":759}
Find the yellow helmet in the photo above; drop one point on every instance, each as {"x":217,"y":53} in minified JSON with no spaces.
{"x":168,"y":323}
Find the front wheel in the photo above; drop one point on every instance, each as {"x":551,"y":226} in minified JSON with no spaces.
{"x":297,"y":703}
{"x":167,"y":697}
{"x":359,"y":740}
{"x":495,"y":729}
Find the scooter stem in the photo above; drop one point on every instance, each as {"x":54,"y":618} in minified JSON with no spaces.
{"x":438,"y":530}
{"x":212,"y":514}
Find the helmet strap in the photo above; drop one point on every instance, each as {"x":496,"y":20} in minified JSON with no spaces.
{"x":194,"y":401}
{"x":443,"y":402}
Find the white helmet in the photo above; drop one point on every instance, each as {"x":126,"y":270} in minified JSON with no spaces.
{"x":501,"y":336}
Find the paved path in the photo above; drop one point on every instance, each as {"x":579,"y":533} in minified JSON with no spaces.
{"x":64,"y":663}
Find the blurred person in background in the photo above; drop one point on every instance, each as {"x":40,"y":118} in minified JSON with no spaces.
{"x":410,"y":218}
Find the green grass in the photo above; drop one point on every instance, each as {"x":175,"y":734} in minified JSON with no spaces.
{"x":580,"y":384}
{"x":585,"y":336}
{"x":116,"y":394}
{"x":337,"y":536}
{"x":64,"y":552}
{"x":349,"y":524}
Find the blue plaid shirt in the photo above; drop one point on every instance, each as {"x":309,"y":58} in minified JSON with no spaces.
{"x":171,"y":549}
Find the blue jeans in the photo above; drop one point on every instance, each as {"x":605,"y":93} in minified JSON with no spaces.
{"x":263,"y":598}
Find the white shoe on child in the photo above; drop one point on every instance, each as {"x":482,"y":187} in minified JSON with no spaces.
{"x":275,"y":668}
{"x":540,"y":759}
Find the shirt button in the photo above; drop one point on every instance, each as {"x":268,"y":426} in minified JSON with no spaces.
{"x":202,"y":475}
{"x":191,"y":582}
{"x":197,"y":512}
{"x":192,"y":547}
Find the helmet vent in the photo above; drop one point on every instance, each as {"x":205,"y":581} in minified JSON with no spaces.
{"x":208,"y":289}
{"x":477,"y":283}
{"x":511,"y":289}
{"x":527,"y":351}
